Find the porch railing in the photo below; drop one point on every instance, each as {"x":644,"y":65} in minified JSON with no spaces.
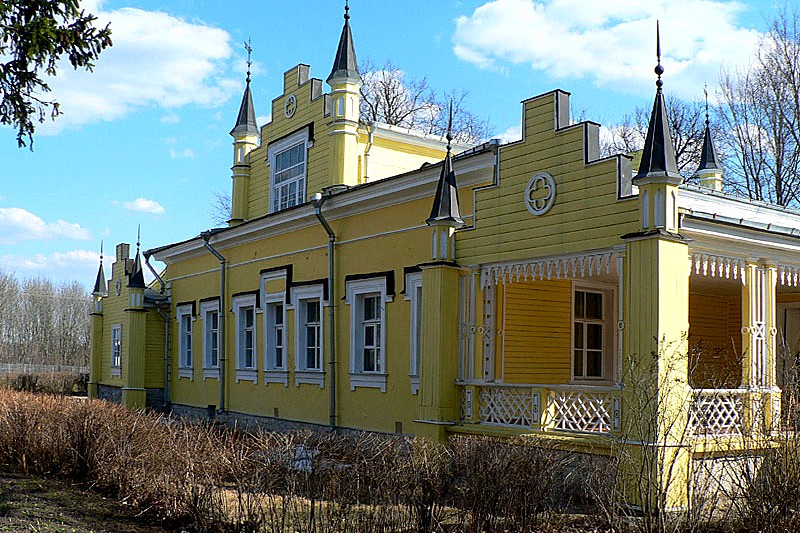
{"x":581,"y":409}
{"x":598,"y":410}
{"x":717,"y":411}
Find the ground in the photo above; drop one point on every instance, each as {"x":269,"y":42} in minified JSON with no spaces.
{"x":38,"y":505}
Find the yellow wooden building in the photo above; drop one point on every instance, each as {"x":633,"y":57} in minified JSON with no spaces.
{"x":374,"y":278}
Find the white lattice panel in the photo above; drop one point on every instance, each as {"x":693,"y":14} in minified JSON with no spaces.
{"x":717,"y":412}
{"x":581,"y":411}
{"x":507,"y":406}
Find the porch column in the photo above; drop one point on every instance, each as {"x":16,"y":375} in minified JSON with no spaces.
{"x":656,"y":458}
{"x":759,"y":357}
{"x":439,"y":398}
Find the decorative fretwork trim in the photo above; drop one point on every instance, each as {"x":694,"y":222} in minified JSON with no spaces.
{"x":560,"y":267}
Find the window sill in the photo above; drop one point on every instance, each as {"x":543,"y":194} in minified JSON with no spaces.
{"x":310,"y":377}
{"x":276,"y":376}
{"x":246,"y":374}
{"x":186,"y":373}
{"x":414,"y":384}
{"x":116,"y":371}
{"x":374,"y":381}
{"x":211,"y":373}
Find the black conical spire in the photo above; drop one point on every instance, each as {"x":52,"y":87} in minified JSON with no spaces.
{"x":345,"y":65}
{"x":246,"y":121}
{"x":100,"y":281}
{"x":445,"y":211}
{"x":708,"y":157}
{"x":136,"y":279}
{"x":658,"y":155}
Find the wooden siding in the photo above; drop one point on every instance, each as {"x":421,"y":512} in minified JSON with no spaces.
{"x":536,"y":339}
{"x":586,"y":213}
{"x":715,"y":340}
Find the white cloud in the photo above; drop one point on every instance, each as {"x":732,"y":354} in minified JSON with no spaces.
{"x":143,"y":205}
{"x":17,"y":225}
{"x":186,"y":153}
{"x":156,"y":60}
{"x":263,"y":119}
{"x":610,"y":43}
{"x":171,"y":118}
{"x":513,"y":133}
{"x":73,"y":265}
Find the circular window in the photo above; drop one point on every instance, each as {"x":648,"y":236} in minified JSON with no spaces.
{"x":291,"y":106}
{"x":540,"y":194}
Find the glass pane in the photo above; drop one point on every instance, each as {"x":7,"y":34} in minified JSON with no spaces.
{"x":311,"y":337}
{"x":369,"y":360}
{"x":578,"y":328}
{"x":578,"y":355}
{"x":278,"y":310}
{"x":311,"y":358}
{"x":579,"y":304}
{"x":594,"y":305}
{"x":279,"y":357}
{"x":594,"y":364}
{"x":369,"y":336}
{"x":594,"y":336}
{"x":312,"y":311}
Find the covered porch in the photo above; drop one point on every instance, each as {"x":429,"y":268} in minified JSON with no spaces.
{"x":542,"y":345}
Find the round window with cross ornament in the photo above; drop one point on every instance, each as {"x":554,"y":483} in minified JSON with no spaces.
{"x":540,"y":194}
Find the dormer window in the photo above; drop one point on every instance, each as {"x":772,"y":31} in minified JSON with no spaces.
{"x":287,"y":161}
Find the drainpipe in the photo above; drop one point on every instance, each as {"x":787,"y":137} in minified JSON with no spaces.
{"x":370,"y":138}
{"x":165,"y":318}
{"x":318,"y":200}
{"x":206,"y":235}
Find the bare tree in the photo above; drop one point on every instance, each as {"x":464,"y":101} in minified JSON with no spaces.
{"x":761,"y":109}
{"x":221,"y":210}
{"x":687,"y":126}
{"x":389,"y":96}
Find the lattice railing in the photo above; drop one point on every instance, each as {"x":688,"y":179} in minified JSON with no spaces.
{"x":717,"y":411}
{"x":509,"y":406}
{"x":584,"y":411}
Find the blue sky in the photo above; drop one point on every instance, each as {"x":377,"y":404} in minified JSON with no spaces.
{"x":144,"y":139}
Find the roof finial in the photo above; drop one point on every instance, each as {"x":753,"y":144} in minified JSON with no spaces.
{"x":449,"y":136}
{"x":138,"y":236}
{"x":659,"y":70}
{"x":249,"y":51}
{"x":101,"y":251}
{"x":705,"y":92}
{"x":346,"y":10}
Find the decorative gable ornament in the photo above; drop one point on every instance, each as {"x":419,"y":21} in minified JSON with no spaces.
{"x":540,"y":194}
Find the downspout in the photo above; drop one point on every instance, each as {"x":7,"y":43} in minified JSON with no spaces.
{"x":206,"y":235}
{"x":319,"y":199}
{"x":165,"y":318}
{"x":370,"y":139}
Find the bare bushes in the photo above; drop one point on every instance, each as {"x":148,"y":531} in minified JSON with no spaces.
{"x":209,"y":478}
{"x":66,"y":383}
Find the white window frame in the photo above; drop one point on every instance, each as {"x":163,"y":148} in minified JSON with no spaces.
{"x":116,"y":350}
{"x":279,"y":147}
{"x":413,"y":294}
{"x":609,"y":334}
{"x":357,"y":291}
{"x":210,"y":370}
{"x":240,"y":305}
{"x":300,"y":296}
{"x":183,"y":313}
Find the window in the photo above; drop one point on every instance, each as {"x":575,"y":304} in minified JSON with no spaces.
{"x":116,"y":350}
{"x":367,"y":299}
{"x":185,"y":319}
{"x":592,"y":338}
{"x":245,"y":314}
{"x":309,"y":335}
{"x":287,"y":161}
{"x":209,"y":312}
{"x":273,"y":290}
{"x":414,"y":295}
{"x":275,"y":336}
